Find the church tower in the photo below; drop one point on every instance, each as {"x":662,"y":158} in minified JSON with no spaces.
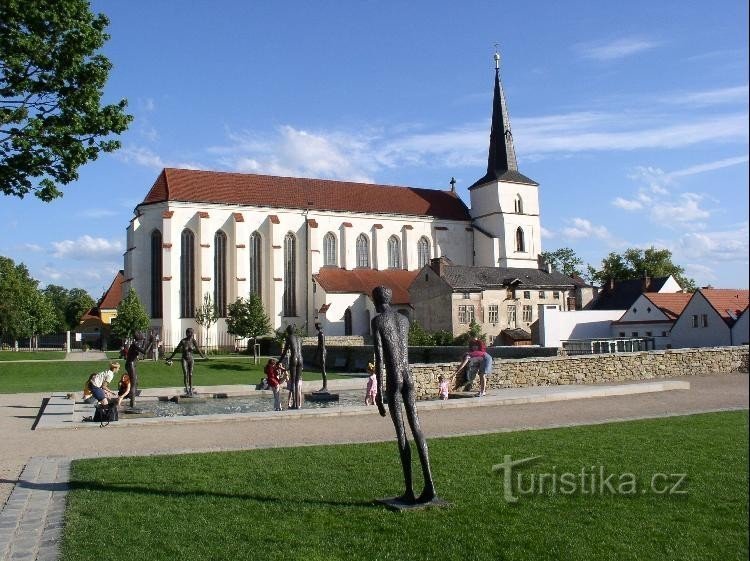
{"x":504,"y":203}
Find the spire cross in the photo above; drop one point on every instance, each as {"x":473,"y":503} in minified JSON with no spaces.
{"x":497,"y":56}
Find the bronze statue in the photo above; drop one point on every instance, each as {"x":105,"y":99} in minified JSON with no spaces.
{"x":391,"y":330}
{"x":187,"y":346}
{"x":131,"y":358}
{"x":320,"y":355}
{"x":293,"y":346}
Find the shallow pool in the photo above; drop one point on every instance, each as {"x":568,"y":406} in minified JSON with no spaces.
{"x":244,"y":404}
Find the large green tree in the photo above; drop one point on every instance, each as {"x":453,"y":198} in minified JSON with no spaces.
{"x":564,"y":260}
{"x":69,"y":305}
{"x":37,"y":315}
{"x":634,"y":263}
{"x":17,"y":288}
{"x":131,"y":317}
{"x":248,"y":319}
{"x":52,"y":77}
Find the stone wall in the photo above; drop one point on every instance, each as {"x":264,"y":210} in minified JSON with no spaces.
{"x":590,"y":369}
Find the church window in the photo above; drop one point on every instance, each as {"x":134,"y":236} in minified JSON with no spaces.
{"x":290,"y":276}
{"x":363,"y":251}
{"x":156,"y":273}
{"x":187,"y":274}
{"x":520,"y":241}
{"x":256,"y":270}
{"x":465,"y":314}
{"x":423,"y":252}
{"x":220,"y":273}
{"x":329,"y":249}
{"x":527,"y":312}
{"x":518,"y":204}
{"x":394,"y":253}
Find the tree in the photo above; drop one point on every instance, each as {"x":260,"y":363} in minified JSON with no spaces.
{"x":16,"y":291}
{"x":52,"y":78}
{"x":131,"y":317}
{"x":207,"y":314}
{"x":418,"y":336}
{"x":37,"y":316}
{"x":248,"y":319}
{"x":564,"y":260}
{"x":635,"y":263}
{"x":69,"y":305}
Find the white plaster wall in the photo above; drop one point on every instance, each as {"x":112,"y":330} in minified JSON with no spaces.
{"x":556,"y":326}
{"x":685,"y":335}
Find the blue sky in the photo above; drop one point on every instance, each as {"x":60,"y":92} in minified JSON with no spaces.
{"x":633,"y":117}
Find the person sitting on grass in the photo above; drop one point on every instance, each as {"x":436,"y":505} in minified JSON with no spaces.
{"x":98,"y":384}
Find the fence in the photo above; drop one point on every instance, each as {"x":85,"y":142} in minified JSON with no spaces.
{"x":54,"y":342}
{"x":607,"y":346}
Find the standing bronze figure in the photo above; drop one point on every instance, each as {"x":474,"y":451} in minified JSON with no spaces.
{"x":320,"y":355}
{"x":391,"y":330}
{"x":131,"y":358}
{"x":187,"y":346}
{"x":293,"y":346}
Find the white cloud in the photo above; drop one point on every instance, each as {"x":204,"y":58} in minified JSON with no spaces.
{"x":709,"y":166}
{"x":627,"y":204}
{"x":548,"y":233}
{"x":612,"y":50}
{"x":711,"y":97}
{"x":32,"y":247}
{"x":582,"y":228}
{"x":87,"y":248}
{"x":726,"y":245}
{"x":146,"y":157}
{"x":98,"y":213}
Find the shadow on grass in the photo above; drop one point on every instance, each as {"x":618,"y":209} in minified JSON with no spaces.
{"x":92,"y":486}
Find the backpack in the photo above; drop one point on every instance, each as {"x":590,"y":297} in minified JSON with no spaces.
{"x":105,"y":414}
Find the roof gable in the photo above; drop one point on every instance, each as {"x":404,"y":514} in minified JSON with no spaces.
{"x":362,"y":281}
{"x":302,"y":193}
{"x":625,"y":293}
{"x":113,"y":296}
{"x":727,"y":302}
{"x":461,"y":277}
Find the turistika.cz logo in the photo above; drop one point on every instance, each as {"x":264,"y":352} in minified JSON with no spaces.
{"x":590,"y":480}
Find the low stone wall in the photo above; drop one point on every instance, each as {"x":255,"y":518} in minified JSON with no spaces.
{"x":590,"y":369}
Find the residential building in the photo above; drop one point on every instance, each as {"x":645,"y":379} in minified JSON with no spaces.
{"x":713,"y":317}
{"x":622,"y":294}
{"x":95,"y":325}
{"x":652,"y":315}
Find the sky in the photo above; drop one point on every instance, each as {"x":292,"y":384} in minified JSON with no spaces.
{"x":632,"y":117}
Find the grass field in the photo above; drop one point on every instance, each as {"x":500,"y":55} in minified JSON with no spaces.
{"x":31,"y":355}
{"x":316,"y":503}
{"x":22,"y":377}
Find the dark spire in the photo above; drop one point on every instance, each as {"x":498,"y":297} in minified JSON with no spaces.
{"x":501,"y":160}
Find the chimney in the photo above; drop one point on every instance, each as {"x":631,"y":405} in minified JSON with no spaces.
{"x":549,"y":267}
{"x":438,"y":265}
{"x":645,"y":282}
{"x":611,"y":283}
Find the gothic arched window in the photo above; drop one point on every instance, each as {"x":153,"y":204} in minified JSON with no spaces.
{"x":423,"y":252}
{"x":363,"y":251}
{"x":520,"y":242}
{"x":256,"y":269}
{"x":519,"y":204}
{"x":394,"y":253}
{"x":290,"y":276}
{"x":187,"y":274}
{"x":156,"y":273}
{"x":329,"y":249}
{"x":220,"y":272}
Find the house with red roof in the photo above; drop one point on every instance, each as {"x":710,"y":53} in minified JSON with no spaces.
{"x":652,"y":315}
{"x":312,"y":249}
{"x":95,"y":324}
{"x":713,"y":317}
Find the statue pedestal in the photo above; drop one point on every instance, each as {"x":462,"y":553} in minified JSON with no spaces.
{"x":397,"y":504}
{"x":321,"y":396}
{"x":132,"y":411}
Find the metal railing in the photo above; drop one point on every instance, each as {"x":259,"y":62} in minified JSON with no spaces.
{"x":607,"y":346}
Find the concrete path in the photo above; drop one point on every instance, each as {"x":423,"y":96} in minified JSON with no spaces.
{"x":31,"y":464}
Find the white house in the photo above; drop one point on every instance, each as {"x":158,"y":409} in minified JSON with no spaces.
{"x":228,"y":235}
{"x":652,"y":315}
{"x":709,"y":318}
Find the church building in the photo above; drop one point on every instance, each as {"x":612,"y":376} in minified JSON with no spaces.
{"x":313,"y":249}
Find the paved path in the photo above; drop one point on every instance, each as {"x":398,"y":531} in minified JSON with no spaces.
{"x":23,"y":449}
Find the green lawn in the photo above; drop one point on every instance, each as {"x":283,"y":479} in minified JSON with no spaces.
{"x":31,"y":355}
{"x":315,"y":503}
{"x":24,"y":377}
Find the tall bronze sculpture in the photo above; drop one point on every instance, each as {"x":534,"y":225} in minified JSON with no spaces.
{"x":320,"y":355}
{"x":293,"y":346}
{"x":131,"y":358}
{"x":391,"y":330}
{"x":187,"y":346}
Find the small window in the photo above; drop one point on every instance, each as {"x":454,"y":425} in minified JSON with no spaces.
{"x":492,"y":313}
{"x":695,"y":320}
{"x":663,"y":333}
{"x":635,"y":334}
{"x":621,"y":334}
{"x":704,"y":320}
{"x":556,"y":295}
{"x":635,"y":310}
{"x":511,"y":316}
{"x":648,"y":310}
{"x":426,"y":277}
{"x":467,"y":296}
{"x":527,"y":295}
{"x":648,"y":334}
{"x":465,"y":314}
{"x":527,"y":313}
{"x":541,"y":294}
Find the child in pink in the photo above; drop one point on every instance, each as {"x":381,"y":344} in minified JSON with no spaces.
{"x":372,"y":385}
{"x":442,"y":388}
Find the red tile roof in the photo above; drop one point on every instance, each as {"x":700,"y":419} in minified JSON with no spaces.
{"x":113,"y":295}
{"x":671,"y":304}
{"x":293,"y":192}
{"x":727,"y":302}
{"x":337,"y":281}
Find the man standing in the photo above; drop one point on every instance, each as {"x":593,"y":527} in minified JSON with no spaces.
{"x":293,"y":346}
{"x":391,"y":330}
{"x":321,"y":356}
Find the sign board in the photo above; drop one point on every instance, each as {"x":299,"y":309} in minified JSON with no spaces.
{"x":79,"y":337}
